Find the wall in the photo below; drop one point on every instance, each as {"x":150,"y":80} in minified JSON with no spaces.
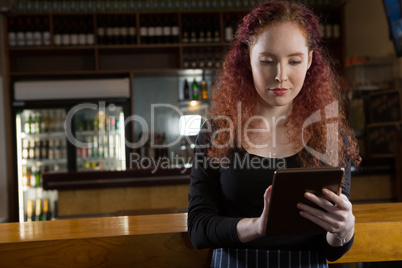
{"x":3,"y":166}
{"x":367,"y":31}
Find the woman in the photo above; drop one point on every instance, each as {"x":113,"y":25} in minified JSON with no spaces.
{"x":278,"y":105}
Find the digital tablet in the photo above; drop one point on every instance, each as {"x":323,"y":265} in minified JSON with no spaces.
{"x":288,"y":188}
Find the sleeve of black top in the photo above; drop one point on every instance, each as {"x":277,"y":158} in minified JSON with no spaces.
{"x":206,"y":228}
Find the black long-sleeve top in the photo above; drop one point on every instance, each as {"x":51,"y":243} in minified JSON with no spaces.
{"x":222,"y":193}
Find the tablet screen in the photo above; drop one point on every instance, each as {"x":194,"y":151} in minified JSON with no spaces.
{"x":288,"y":188}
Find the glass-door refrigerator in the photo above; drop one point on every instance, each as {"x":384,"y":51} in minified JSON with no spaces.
{"x":56,"y":134}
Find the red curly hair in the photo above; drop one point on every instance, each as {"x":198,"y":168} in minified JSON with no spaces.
{"x":320,"y":89}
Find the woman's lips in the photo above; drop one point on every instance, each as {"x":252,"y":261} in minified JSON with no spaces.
{"x":279,"y":91}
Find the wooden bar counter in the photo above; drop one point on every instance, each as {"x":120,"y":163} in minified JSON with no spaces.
{"x":162,"y":241}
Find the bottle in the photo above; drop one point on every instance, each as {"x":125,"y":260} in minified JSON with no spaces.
{"x":174,"y":31}
{"x":45,"y":32}
{"x":29,"y":38}
{"x":186,"y":90}
{"x":90,"y":39}
{"x":38,"y":210}
{"x":109,"y":31}
{"x":30,"y":211}
{"x":47,"y":214}
{"x":37,"y":149}
{"x":151,"y":31}
{"x":57,"y":39}
{"x":132,"y":31}
{"x":101,"y":32}
{"x":124,"y":25}
{"x":159,"y":31}
{"x":193,"y":32}
{"x":65,"y":36}
{"x":204,"y":88}
{"x":143,"y":30}
{"x":37,"y":177}
{"x":25,"y":149}
{"x":216,"y":31}
{"x":195,"y":90}
{"x":167,"y":31}
{"x":74,"y":32}
{"x":37,"y":35}
{"x":27,"y":125}
{"x":82,"y":32}
{"x":20,"y":32}
{"x":228,"y":28}
{"x":116,"y":31}
{"x":12,"y":35}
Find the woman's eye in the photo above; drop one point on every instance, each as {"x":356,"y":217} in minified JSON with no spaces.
{"x":295,"y":62}
{"x":266,"y":62}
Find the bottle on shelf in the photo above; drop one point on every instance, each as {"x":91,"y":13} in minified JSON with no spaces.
{"x":167,"y":30}
{"x":47,"y":213}
{"x":143,"y":30}
{"x":37,"y":34}
{"x":45,"y":32}
{"x":123,"y":31}
{"x":65,"y":36}
{"x":228,"y":28}
{"x":82,"y":32}
{"x":216,"y":31}
{"x":204,"y":88}
{"x":159,"y":38}
{"x":20,"y":32}
{"x":30,"y":211}
{"x":101,"y":32}
{"x":12,"y":34}
{"x":57,"y":36}
{"x":74,"y":31}
{"x":151,"y":30}
{"x":132,"y":31}
{"x":38,"y":210}
{"x":186,"y":90}
{"x":174,"y":30}
{"x":90,"y":39}
{"x":29,"y":34}
{"x":195,"y":90}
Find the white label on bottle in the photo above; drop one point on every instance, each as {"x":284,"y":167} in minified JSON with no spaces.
{"x":158,"y":31}
{"x":151,"y":31}
{"x":12,"y":39}
{"x":109,"y":31}
{"x":37,"y":39}
{"x":337,"y":31}
{"x":217,"y":37}
{"x":90,"y":39}
{"x":74,"y":39}
{"x":101,"y":31}
{"x":65,"y":39}
{"x":166,"y":31}
{"x":116,"y":31}
{"x":82,"y":39}
{"x":228,"y":33}
{"x":328,"y":31}
{"x":143,"y":31}
{"x":175,"y":30}
{"x":57,"y":39}
{"x":29,"y":39}
{"x":131,"y":31}
{"x":46,"y":38}
{"x":124,"y":31}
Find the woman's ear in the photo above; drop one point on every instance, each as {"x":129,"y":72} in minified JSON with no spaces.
{"x":310,"y":59}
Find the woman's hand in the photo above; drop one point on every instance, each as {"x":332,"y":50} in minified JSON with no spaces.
{"x":338,"y":219}
{"x":251,"y":228}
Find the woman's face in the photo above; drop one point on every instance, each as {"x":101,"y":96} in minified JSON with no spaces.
{"x":279,"y":61}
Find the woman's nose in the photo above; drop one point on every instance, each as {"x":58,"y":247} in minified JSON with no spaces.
{"x":280,"y":74}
